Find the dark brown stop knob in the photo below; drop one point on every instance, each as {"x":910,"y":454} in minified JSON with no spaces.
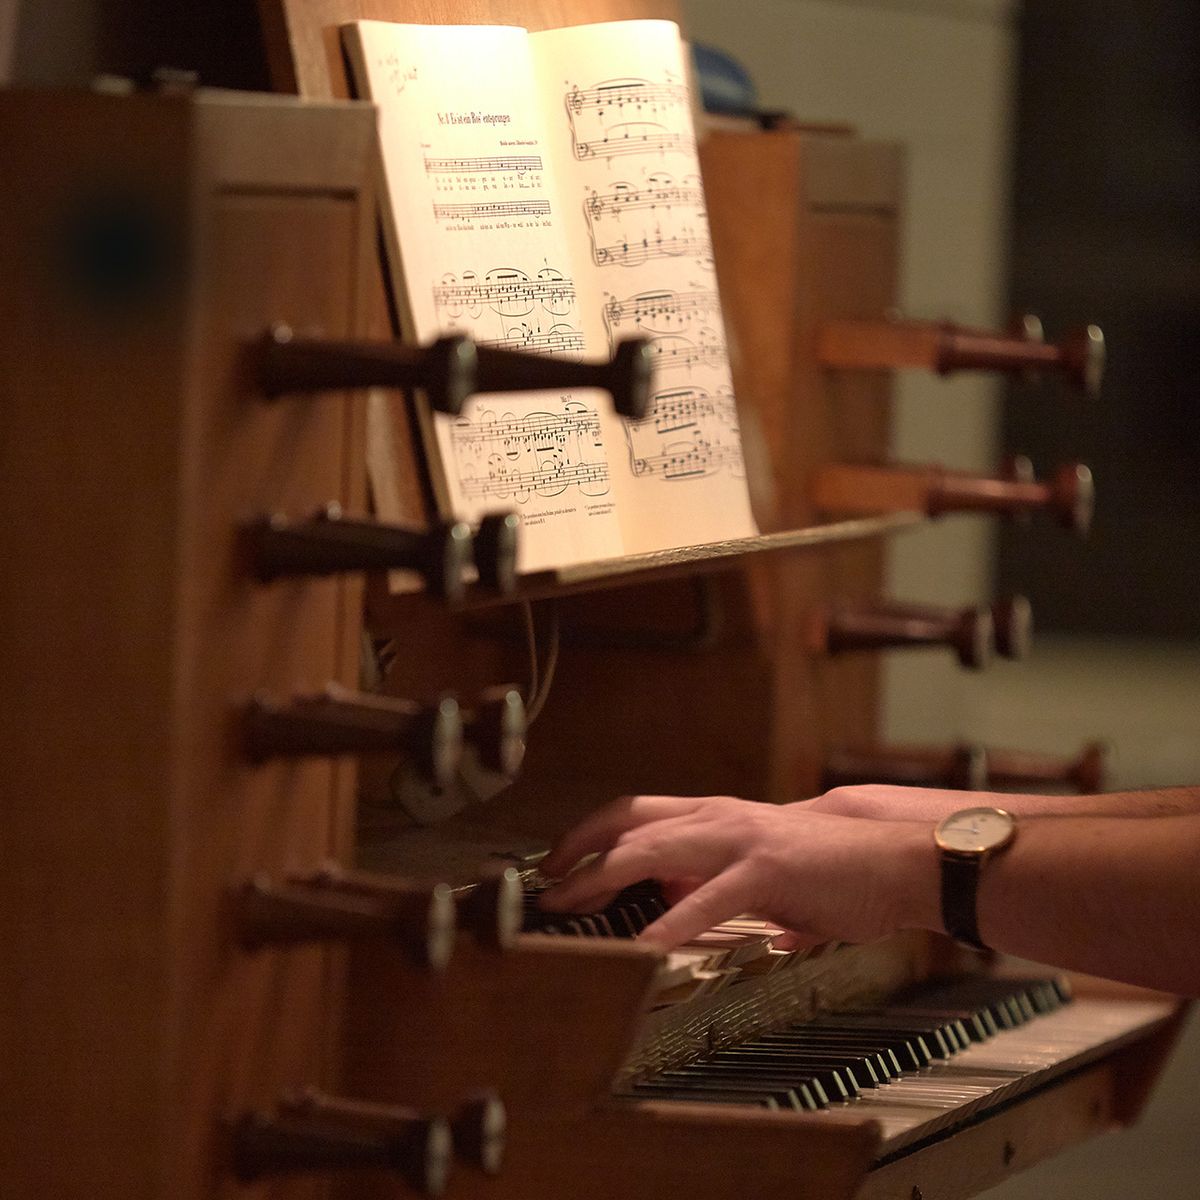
{"x":340,"y":721}
{"x":495,"y":546}
{"x":945,"y":346}
{"x":420,"y":921}
{"x":963,"y":766}
{"x":304,"y":1143}
{"x":1085,"y":772}
{"x":330,"y":542}
{"x":479,"y":1124}
{"x":844,"y":489}
{"x":495,"y":728}
{"x":626,"y":376}
{"x":448,"y":371}
{"x":969,"y":632}
{"x":967,"y":767}
{"x":493,"y":907}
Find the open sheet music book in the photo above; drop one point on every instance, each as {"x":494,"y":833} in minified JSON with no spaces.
{"x":542,"y":193}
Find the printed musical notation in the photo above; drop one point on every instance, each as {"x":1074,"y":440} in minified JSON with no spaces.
{"x":625,"y":224}
{"x":618,"y":94}
{"x":511,"y":458}
{"x":517,"y":163}
{"x":660,"y":192}
{"x":509,"y":308}
{"x":679,"y":353}
{"x":658,"y":311}
{"x":507,"y":290}
{"x":628,"y":116}
{"x":494,"y":209}
{"x":558,"y":340}
{"x":691,"y":434}
{"x":632,"y":252}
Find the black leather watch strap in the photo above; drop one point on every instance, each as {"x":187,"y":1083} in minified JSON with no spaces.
{"x":960,"y":888}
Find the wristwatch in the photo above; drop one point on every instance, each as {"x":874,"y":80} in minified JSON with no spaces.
{"x":966,"y":840}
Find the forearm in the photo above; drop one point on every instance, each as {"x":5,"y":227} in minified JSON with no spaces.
{"x":1111,"y":896}
{"x":896,"y":803}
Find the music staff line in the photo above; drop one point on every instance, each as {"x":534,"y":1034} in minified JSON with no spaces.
{"x":703,"y":460}
{"x":627,"y":143}
{"x":616,"y":203}
{"x":520,"y":164}
{"x":468,"y":295}
{"x":632,"y":252}
{"x":554,"y":341}
{"x":619,"y":93}
{"x":496,"y":208}
{"x":541,"y":428}
{"x":647,"y":306}
{"x":558,"y":477}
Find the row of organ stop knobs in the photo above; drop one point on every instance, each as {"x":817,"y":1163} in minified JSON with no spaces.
{"x":973,"y":634}
{"x":309,"y":1131}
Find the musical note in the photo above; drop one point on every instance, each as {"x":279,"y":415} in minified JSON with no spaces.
{"x":518,"y":163}
{"x":678,"y":353}
{"x":632,"y":252}
{"x":621,"y":93}
{"x":544,"y":453}
{"x":510,"y":310}
{"x":558,"y":340}
{"x":621,"y":140}
{"x":497,"y":208}
{"x":659,"y":310}
{"x":690,"y":434}
{"x":508,"y":290}
{"x":625,"y":198}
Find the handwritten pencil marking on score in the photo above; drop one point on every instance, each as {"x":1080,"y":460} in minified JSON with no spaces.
{"x":506,"y":457}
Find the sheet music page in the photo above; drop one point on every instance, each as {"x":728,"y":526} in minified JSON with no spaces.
{"x":476,"y":243}
{"x":623,"y":149}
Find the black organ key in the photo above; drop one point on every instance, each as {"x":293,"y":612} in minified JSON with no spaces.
{"x":940,"y":1044}
{"x":858,"y":1057}
{"x":781,"y":1092}
{"x":649,"y":1090}
{"x":835,"y":1075}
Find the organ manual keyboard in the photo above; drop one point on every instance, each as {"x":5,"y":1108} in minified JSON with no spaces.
{"x":233,"y":980}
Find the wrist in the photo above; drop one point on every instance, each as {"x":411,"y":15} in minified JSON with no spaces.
{"x":916,"y":886}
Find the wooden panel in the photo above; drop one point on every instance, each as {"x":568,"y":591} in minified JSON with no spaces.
{"x":305,"y":53}
{"x":131,"y":632}
{"x":971,"y":1161}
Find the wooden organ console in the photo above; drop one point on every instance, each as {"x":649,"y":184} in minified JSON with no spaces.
{"x":228,"y":982}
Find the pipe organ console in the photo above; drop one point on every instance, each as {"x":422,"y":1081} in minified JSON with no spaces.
{"x":232,"y":984}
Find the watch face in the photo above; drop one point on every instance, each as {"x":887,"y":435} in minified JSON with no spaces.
{"x":975,"y":830}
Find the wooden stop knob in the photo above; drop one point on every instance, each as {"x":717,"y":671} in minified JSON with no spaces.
{"x":858,"y":489}
{"x":313,"y":1143}
{"x":340,"y":721}
{"x":324,"y":907}
{"x":969,"y":632}
{"x":945,"y":347}
{"x":963,"y":766}
{"x":329,"y":543}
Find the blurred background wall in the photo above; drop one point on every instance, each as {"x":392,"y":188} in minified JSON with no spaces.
{"x":1054,"y":164}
